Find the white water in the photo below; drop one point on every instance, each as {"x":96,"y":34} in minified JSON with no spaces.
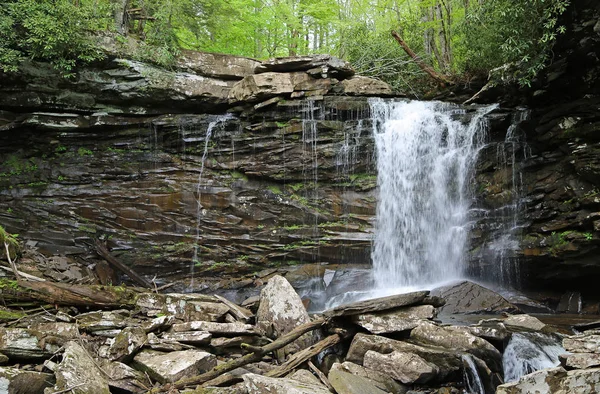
{"x":529,"y":352}
{"x":425,"y":160}
{"x":471,"y":377}
{"x":218,"y":120}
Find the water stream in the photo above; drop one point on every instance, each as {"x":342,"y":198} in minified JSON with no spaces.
{"x":528,"y":352}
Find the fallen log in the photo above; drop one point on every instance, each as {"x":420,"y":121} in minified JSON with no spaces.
{"x":103,"y":251}
{"x":442,"y":79}
{"x":68,"y":294}
{"x":304,"y":355}
{"x":255,"y":356}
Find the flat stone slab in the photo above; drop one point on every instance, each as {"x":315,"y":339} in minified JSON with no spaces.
{"x":377,"y":378}
{"x":170,"y":367}
{"x":24,"y":344}
{"x":524,"y":322}
{"x":257,"y":384}
{"x":584,"y":343}
{"x":469,"y":297}
{"x":582,"y":360}
{"x":405,"y":367}
{"x":378,"y":304}
{"x":346,"y":383}
{"x":219,"y":329}
{"x":14,"y":380}
{"x":79,"y":372}
{"x":184,"y":306}
{"x":192,"y":337}
{"x":395,"y":321}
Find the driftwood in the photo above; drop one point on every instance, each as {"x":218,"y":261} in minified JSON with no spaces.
{"x":321,"y":376}
{"x":443,"y":80}
{"x":255,"y":356}
{"x":241,"y":314}
{"x":378,"y":304}
{"x":103,"y":251}
{"x":72,"y":295}
{"x":304,"y":355}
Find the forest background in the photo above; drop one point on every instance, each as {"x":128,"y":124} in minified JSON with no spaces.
{"x":461,"y":39}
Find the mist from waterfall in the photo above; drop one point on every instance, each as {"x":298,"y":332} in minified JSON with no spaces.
{"x":426,"y":152}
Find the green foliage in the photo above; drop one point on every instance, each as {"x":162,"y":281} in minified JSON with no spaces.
{"x":57,"y":31}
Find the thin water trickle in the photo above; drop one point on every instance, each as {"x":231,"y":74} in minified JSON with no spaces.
{"x":425,"y":161}
{"x":212,"y":125}
{"x":471,"y":377}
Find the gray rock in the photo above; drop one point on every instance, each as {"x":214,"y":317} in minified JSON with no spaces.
{"x":584,"y":343}
{"x":280,"y":311}
{"x":322,"y":65}
{"x":524,"y":322}
{"x":490,"y":330}
{"x":192,"y":337}
{"x":257,"y":384}
{"x":164,"y":345}
{"x":219,"y":329}
{"x":78,"y":371}
{"x":405,"y":367}
{"x":458,"y":339}
{"x":469,"y":297}
{"x":170,"y":367}
{"x":379,"y":379}
{"x":158,"y":323}
{"x":395,"y":321}
{"x":106,"y":321}
{"x":217,"y":65}
{"x":122,"y":376}
{"x":448,"y":361}
{"x":364,"y":86}
{"x":127,"y":343}
{"x":304,"y":376}
{"x":187,"y":307}
{"x":582,"y":381}
{"x":555,"y":381}
{"x":261,"y":87}
{"x":24,"y":344}
{"x":345,"y":383}
{"x":582,"y":360}
{"x":17,"y":381}
{"x":378,"y":304}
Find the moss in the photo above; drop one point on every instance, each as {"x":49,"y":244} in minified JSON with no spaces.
{"x":274,"y":189}
{"x":6,"y":315}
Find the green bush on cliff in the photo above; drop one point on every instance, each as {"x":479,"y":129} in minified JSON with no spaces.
{"x":57,"y":31}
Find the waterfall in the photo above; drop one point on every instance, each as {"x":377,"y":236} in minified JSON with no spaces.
{"x":217,"y":121}
{"x":473,"y":383}
{"x":529,"y":352}
{"x":426,"y":153}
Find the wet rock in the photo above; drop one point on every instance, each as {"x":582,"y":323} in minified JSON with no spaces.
{"x":379,"y":379}
{"x":364,"y":86}
{"x":396,"y":321}
{"x":170,"y":367}
{"x":22,"y":343}
{"x":524,"y":322}
{"x":322,"y":65}
{"x":280,"y":311}
{"x":191,"y":337}
{"x":457,"y":339}
{"x":217,"y":329}
{"x":345,"y":383}
{"x":17,"y":381}
{"x":257,"y":384}
{"x":469,"y":297}
{"x":405,"y":367}
{"x":126,"y":344}
{"x":79,"y":372}
{"x":570,"y":302}
{"x":378,"y":304}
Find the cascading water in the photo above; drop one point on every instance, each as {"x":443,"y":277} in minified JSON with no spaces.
{"x":473,"y":383}
{"x":218,"y":120}
{"x":529,"y":352}
{"x":425,"y":160}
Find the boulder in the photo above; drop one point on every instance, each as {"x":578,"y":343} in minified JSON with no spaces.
{"x":17,"y":381}
{"x":524,"y":322}
{"x":448,"y":362}
{"x":261,"y":87}
{"x":218,"y":329}
{"x":377,"y":378}
{"x":469,"y":297}
{"x":79,"y":372}
{"x":127,"y":343}
{"x":395,"y":321}
{"x":191,"y":337}
{"x":458,"y":339}
{"x":405,"y":367}
{"x":170,"y":367}
{"x":257,"y":384}
{"x":216,"y":65}
{"x":582,"y":360}
{"x":346,"y":383}
{"x":280,"y":311}
{"x":322,"y":65}
{"x":543,"y":381}
{"x":378,"y":304}
{"x":582,"y":381}
{"x":363,"y":86}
